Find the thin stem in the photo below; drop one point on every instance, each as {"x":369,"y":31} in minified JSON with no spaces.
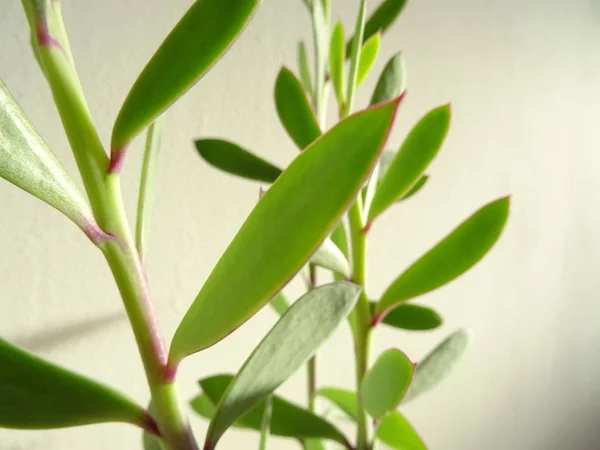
{"x":357,"y":42}
{"x":146,"y":192}
{"x":266,"y":424}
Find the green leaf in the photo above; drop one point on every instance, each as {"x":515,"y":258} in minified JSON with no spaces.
{"x":304,"y":68}
{"x":233,"y":159}
{"x":368,"y":56}
{"x":290,"y":343}
{"x":385,"y":384}
{"x":200,"y":38}
{"x":314,"y":444}
{"x":438,"y":364}
{"x":381,"y":19}
{"x":411,"y":317}
{"x":294,"y":111}
{"x":36,"y":394}
{"x":320,"y":25}
{"x":337,"y":57}
{"x":28,"y":163}
{"x":345,"y":400}
{"x":392,"y":81}
{"x":287,"y":419}
{"x":329,"y":256}
{"x":397,"y":433}
{"x":280,"y":304}
{"x":418,"y":150}
{"x":450,"y":258}
{"x":285,"y":228}
{"x":416,"y":188}
{"x":338,"y":236}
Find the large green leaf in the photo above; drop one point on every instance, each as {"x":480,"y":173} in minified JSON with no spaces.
{"x":28,"y":163}
{"x":345,"y":400}
{"x":450,"y":258}
{"x":285,"y":228}
{"x":337,"y":58}
{"x":200,"y":38}
{"x":329,"y":256}
{"x":291,"y":342}
{"x":418,"y":150}
{"x":294,"y":111}
{"x":380,"y":20}
{"x":385,"y":384}
{"x":35,"y":394}
{"x":411,"y":317}
{"x":396,"y":432}
{"x":438,"y":364}
{"x":392,"y":80}
{"x":287,"y":419}
{"x":232,"y":158}
{"x":368,"y":56}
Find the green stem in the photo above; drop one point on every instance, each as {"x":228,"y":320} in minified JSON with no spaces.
{"x":265,"y":425}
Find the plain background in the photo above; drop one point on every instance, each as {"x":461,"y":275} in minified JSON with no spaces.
{"x":524,"y":81}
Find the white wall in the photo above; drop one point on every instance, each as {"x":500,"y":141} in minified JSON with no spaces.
{"x":524,"y":82}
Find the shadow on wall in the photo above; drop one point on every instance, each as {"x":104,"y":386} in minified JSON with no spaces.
{"x":50,"y":338}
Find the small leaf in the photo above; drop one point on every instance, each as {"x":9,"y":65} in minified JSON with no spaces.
{"x":450,"y":258}
{"x":385,"y":384}
{"x":287,"y":419}
{"x":345,"y":400}
{"x":392,"y":80}
{"x":416,"y":188}
{"x":438,"y":364}
{"x":233,"y":159}
{"x":200,"y":38}
{"x":320,"y":25}
{"x":36,"y":394}
{"x":418,"y":150}
{"x":411,"y":317}
{"x":280,"y":304}
{"x":294,"y":111}
{"x":338,"y":236}
{"x":397,"y":433}
{"x":290,"y":343}
{"x":285,"y":228}
{"x":337,"y":57}
{"x":304,"y":68}
{"x":28,"y":163}
{"x":381,"y":19}
{"x":329,"y":256}
{"x":368,"y":56}
{"x":314,"y":444}
{"x":150,"y":442}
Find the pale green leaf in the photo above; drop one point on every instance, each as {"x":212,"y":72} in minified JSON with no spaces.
{"x":416,"y":153}
{"x":280,"y":304}
{"x":337,"y":58}
{"x":392,"y":80}
{"x":28,"y":163}
{"x":385,"y":384}
{"x":290,"y":343}
{"x":329,"y":256}
{"x":285,"y":228}
{"x":345,"y":400}
{"x":287,"y":419}
{"x":233,"y":159}
{"x":438,"y":364}
{"x":368,"y":56}
{"x":453,"y":256}
{"x":294,"y":110}
{"x":200,"y":38}
{"x":35,"y":394}
{"x":397,"y":433}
